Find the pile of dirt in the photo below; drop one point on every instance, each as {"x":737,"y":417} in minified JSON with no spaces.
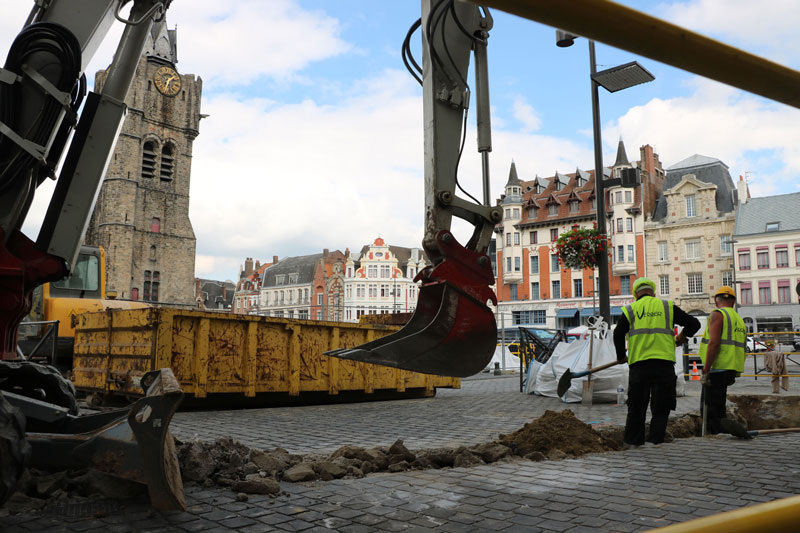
{"x":556,"y":435}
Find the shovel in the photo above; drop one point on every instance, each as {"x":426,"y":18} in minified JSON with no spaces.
{"x":565,"y":381}
{"x":738,"y":430}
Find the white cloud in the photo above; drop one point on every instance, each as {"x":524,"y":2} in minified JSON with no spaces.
{"x":718,"y":121}
{"x":768,"y":29}
{"x":235,"y":43}
{"x":527,"y":115}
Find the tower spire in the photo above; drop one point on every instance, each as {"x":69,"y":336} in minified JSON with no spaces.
{"x":622,"y":157}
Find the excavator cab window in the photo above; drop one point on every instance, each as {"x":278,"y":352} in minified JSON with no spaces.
{"x":83,"y":281}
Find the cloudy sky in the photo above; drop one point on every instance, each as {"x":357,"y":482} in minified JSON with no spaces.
{"x":314,"y":135}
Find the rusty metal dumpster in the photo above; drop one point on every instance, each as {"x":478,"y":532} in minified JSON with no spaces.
{"x":219,"y":353}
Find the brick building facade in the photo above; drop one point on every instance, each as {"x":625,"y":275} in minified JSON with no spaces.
{"x":142,"y":213}
{"x":532,"y":287}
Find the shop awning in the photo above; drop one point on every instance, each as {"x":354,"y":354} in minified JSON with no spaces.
{"x":566,"y":313}
{"x":588,"y":311}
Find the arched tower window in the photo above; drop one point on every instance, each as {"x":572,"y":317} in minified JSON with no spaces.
{"x":155,"y":226}
{"x":167,"y":162}
{"x":153,"y":253}
{"x":149,"y":160}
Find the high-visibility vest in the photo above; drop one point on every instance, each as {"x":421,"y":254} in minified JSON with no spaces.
{"x":732,"y":343}
{"x":651,"y":335}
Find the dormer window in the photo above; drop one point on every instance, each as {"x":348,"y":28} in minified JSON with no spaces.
{"x":533,"y":212}
{"x":691,"y":206}
{"x":552,"y":210}
{"x":559,"y":185}
{"x":573,"y":206}
{"x":773,"y":226}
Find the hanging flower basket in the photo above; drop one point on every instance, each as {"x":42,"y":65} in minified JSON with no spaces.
{"x":579,"y":248}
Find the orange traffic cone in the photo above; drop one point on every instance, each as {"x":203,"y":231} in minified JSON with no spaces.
{"x":694,"y":375}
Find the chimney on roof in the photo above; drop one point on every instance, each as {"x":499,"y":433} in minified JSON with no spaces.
{"x":197,"y":286}
{"x":274,"y":259}
{"x":258,"y":265}
{"x":742,"y":190}
{"x":325,"y":253}
{"x":346,"y":252}
{"x":248,"y":266}
{"x":224,"y":291}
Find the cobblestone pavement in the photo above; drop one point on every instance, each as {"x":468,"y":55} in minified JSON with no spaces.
{"x":632,"y":490}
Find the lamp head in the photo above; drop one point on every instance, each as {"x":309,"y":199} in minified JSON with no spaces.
{"x":564,"y":39}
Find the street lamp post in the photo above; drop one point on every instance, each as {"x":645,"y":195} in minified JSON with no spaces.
{"x":613,"y":79}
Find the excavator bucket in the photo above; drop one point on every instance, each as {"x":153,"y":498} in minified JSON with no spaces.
{"x":452,"y":331}
{"x":133,"y":444}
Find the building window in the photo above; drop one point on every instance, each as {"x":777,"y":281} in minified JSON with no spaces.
{"x":152,"y":281}
{"x":594,"y":203}
{"x":691,"y":206}
{"x":167,"y":162}
{"x":663,"y":282}
{"x":630,"y":253}
{"x":134,"y":294}
{"x":746,"y":296}
{"x":628,"y":196}
{"x":516,"y":237}
{"x":782,"y":258}
{"x":556,"y":289}
{"x":773,"y":226}
{"x":573,"y":206}
{"x":725,"y":245}
{"x":619,"y":225}
{"x":538,"y":317}
{"x":797,"y":255}
{"x":552,"y":210}
{"x":577,"y":290}
{"x":618,"y":197}
{"x":534,"y":264}
{"x":372,"y":271}
{"x":693,"y":249}
{"x":516,"y":212}
{"x":155,"y":225}
{"x":662,"y":251}
{"x":149,"y":160}
{"x":762,"y":258}
{"x":152,"y":253}
{"x":508,"y":239}
{"x":360,"y":290}
{"x":533,"y":212}
{"x":513,"y":292}
{"x":784,"y":294}
{"x":516,"y":264}
{"x":620,"y":254}
{"x":727,"y":278}
{"x":386,"y":271}
{"x":385,"y":290}
{"x":508,"y":264}
{"x":373,"y":290}
{"x":553,"y":263}
{"x":629,"y":224}
{"x":534,"y":291}
{"x":764,"y":294}
{"x":625,"y":285}
{"x":553,"y":234}
{"x":534,"y":237}
{"x":695,"y":283}
{"x":744,"y":260}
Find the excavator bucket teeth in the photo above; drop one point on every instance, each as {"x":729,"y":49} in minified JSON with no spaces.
{"x":133,"y":443}
{"x":450,"y":334}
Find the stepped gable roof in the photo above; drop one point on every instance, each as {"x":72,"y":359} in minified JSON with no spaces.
{"x":401,"y":253}
{"x":302,"y":265}
{"x":756,"y":213}
{"x":706,"y":169}
{"x":622,"y":157}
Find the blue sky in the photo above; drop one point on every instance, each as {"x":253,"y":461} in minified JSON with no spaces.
{"x":314,"y":138}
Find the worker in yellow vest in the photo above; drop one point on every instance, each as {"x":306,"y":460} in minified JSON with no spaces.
{"x":722,"y":351}
{"x":648,"y":324}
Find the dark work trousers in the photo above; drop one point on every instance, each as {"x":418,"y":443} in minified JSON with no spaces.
{"x":651,"y":381}
{"x":717,"y":393}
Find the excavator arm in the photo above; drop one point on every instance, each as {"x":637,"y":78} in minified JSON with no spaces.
{"x":453,"y":331}
{"x":42,"y":101}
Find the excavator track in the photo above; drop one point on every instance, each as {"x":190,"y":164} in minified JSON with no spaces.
{"x":14,"y":448}
{"x":41,"y":382}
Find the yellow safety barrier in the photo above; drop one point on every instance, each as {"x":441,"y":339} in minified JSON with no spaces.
{"x":778,"y":516}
